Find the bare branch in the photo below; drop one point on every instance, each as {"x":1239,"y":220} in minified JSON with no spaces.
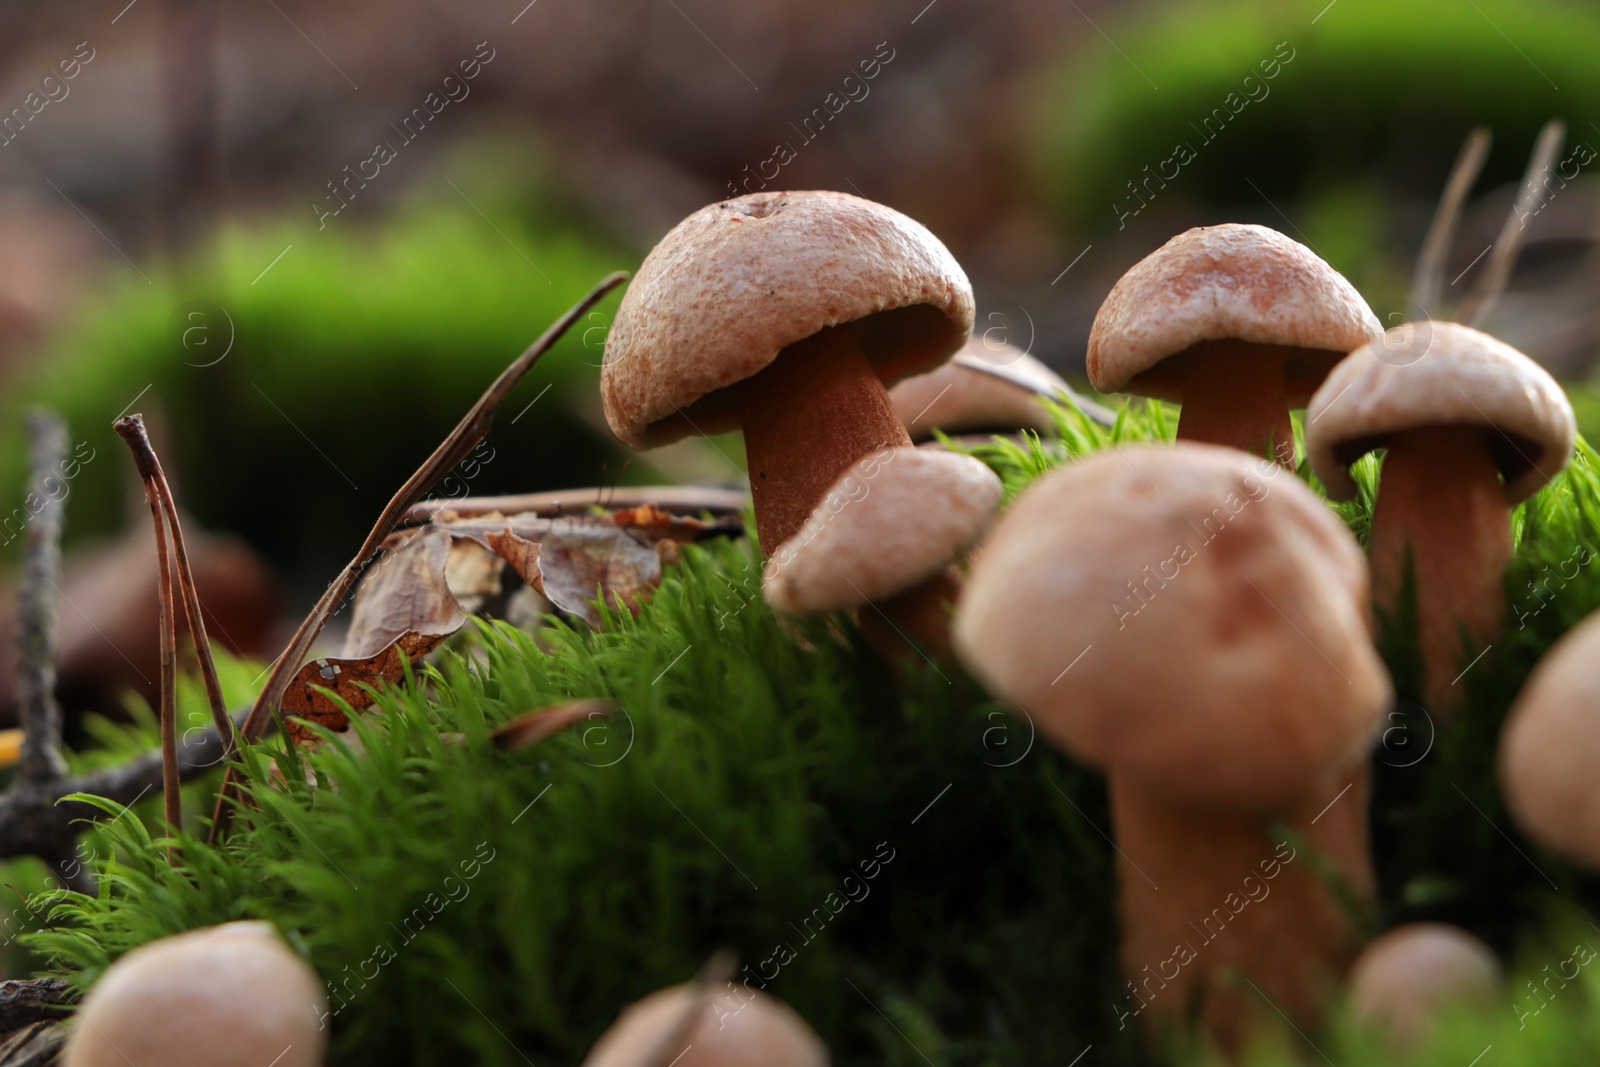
{"x":37,"y":603}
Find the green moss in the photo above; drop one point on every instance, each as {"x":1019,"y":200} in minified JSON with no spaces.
{"x":757,"y":768}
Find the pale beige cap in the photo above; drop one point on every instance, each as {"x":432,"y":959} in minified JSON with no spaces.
{"x":1187,"y":616}
{"x":1440,"y":374}
{"x":225,"y":996}
{"x":726,"y":1028}
{"x":1550,"y":748}
{"x":892,"y":519}
{"x":1411,"y":975}
{"x":1229,"y":282}
{"x":737,"y":282}
{"x":989,"y":385}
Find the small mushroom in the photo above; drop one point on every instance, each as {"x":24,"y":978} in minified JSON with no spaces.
{"x":989,"y":387}
{"x":1472,"y":428}
{"x":1193,"y":622}
{"x":225,"y":996}
{"x":690,"y":1026}
{"x":883,"y":540}
{"x":1405,"y":980}
{"x":1550,"y":747}
{"x":784,"y":315}
{"x":1238,"y":324}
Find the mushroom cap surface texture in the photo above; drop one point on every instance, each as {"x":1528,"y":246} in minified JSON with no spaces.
{"x":729,"y":1030}
{"x":1188,"y":617}
{"x":1441,"y":374}
{"x":1412,"y":973}
{"x":1217,"y":283}
{"x":957,"y":397}
{"x":738,"y":281}
{"x":892,"y":519}
{"x":224,"y":996}
{"x":1550,"y":747}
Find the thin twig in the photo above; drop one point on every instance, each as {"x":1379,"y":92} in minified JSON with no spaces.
{"x":674,"y":499}
{"x":37,"y":605}
{"x":1427,"y":281}
{"x":1486,"y":291}
{"x":462,"y":440}
{"x":131,"y":429}
{"x":149,"y":465}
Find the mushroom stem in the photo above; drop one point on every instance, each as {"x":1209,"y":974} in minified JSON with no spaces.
{"x":1441,"y":499}
{"x":1210,"y":898}
{"x":1234,"y":395}
{"x":808,"y":415}
{"x":918,"y":618}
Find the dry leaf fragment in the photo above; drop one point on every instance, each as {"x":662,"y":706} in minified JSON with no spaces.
{"x":531,"y":727}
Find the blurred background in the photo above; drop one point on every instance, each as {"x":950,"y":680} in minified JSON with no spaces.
{"x":301,"y":238}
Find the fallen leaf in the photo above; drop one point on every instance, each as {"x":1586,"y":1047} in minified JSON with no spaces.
{"x":531,"y":727}
{"x":304,"y":702}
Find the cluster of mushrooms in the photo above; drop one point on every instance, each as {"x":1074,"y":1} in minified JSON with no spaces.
{"x":1190,"y":619}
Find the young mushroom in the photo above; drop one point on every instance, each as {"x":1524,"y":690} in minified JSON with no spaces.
{"x":989,"y":387}
{"x":883,"y":540}
{"x":1472,"y":428}
{"x":784,"y":315}
{"x":1550,"y":747}
{"x":1407,"y":979}
{"x":1193,"y":622}
{"x":225,"y":996}
{"x":687,"y":1026}
{"x":1238,"y":324}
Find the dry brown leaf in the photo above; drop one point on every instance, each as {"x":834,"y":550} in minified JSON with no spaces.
{"x":531,"y":727}
{"x":304,"y":701}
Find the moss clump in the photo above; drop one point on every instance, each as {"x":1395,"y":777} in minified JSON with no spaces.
{"x":919,"y":877}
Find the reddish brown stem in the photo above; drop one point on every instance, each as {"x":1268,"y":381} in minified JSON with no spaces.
{"x":917,"y":619}
{"x":1221,"y":916}
{"x":1441,"y":502}
{"x":808,"y":415}
{"x":132,"y":431}
{"x":1234,"y":395}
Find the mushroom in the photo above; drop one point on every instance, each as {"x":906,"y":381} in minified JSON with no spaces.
{"x":1238,"y":324}
{"x":884,"y":537}
{"x":783,"y":314}
{"x":688,"y":1026}
{"x":1472,"y":428}
{"x":990,"y":387}
{"x":225,"y":996}
{"x":1550,"y":746}
{"x":1193,"y":622}
{"x":1405,"y":980}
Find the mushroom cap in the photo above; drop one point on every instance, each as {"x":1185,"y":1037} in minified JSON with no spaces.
{"x":1550,"y":746}
{"x":1229,"y":282}
{"x":733,"y":1029}
{"x":224,"y":996}
{"x":891,"y":519}
{"x":1189,"y":617}
{"x":738,"y":281}
{"x":1440,"y":374}
{"x":957,"y":397}
{"x":1410,"y":974}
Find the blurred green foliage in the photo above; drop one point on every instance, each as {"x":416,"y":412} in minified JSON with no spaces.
{"x":351,"y":357}
{"x":1378,"y":95}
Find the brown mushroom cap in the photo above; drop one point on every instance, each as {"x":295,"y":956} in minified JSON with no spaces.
{"x":962,"y":396}
{"x":1408,"y":976}
{"x":892,"y":519}
{"x":225,"y":996}
{"x":738,"y":281}
{"x":1187,"y":616}
{"x":1229,"y":282}
{"x":1441,"y":374}
{"x":729,"y":1029}
{"x":1550,"y":747}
